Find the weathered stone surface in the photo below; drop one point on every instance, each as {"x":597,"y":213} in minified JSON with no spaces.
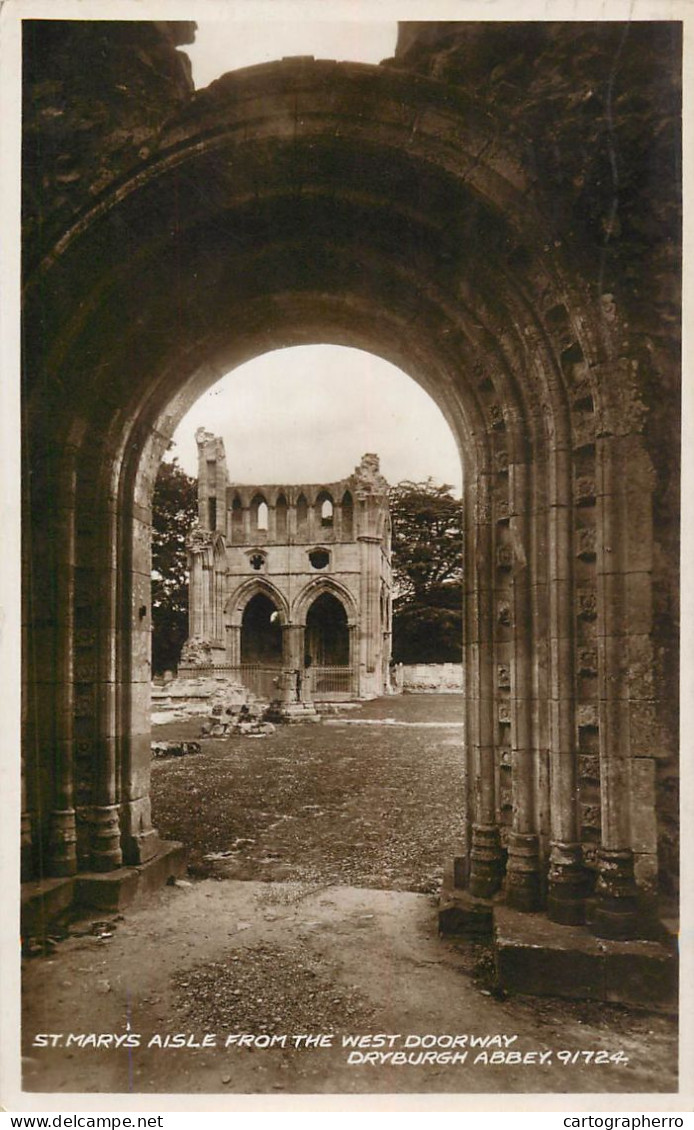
{"x":565,"y":961}
{"x":290,"y":586}
{"x":470,"y":264}
{"x":462,"y":915}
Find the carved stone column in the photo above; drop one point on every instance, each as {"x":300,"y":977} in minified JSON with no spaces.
{"x":295,"y":679}
{"x":370,"y":596}
{"x":105,"y":839}
{"x":616,"y":913}
{"x":486,"y":866}
{"x":62,"y":848}
{"x":233,"y":645}
{"x":354,"y":659}
{"x":568,"y":880}
{"x":523,"y":867}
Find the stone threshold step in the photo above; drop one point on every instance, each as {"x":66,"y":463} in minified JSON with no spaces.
{"x":542,"y":958}
{"x":45,"y":899}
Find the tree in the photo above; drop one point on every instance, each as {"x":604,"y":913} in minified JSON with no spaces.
{"x":428,"y":571}
{"x":174,"y":513}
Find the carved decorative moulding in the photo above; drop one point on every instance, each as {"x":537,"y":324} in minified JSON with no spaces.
{"x":501,"y":461}
{"x":199,"y":540}
{"x":504,"y":557}
{"x":585,"y":544}
{"x":587,"y":661}
{"x":503,"y":613}
{"x":496,"y":417}
{"x":587,"y":604}
{"x":585,"y":491}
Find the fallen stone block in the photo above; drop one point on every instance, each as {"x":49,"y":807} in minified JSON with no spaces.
{"x":175,"y":749}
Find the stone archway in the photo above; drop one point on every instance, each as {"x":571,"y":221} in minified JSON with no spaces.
{"x":327,"y":632}
{"x":328,"y":648}
{"x":401,"y":217}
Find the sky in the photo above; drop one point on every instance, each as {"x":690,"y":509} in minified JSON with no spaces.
{"x":227,"y":45}
{"x":280,"y":415}
{"x":285,"y":418}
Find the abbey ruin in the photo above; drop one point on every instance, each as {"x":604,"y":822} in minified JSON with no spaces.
{"x":291,"y":586}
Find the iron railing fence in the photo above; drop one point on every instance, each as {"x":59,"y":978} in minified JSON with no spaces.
{"x":263,"y":681}
{"x":317,"y":682}
{"x":327,"y":682}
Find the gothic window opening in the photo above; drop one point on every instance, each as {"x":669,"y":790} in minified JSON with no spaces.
{"x":347,"y":517}
{"x":281,"y":518}
{"x":259,"y":514}
{"x":325,"y":507}
{"x":236,"y":521}
{"x":257,"y":561}
{"x":319,"y":558}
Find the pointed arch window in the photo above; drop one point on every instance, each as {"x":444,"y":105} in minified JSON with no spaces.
{"x":324,"y":506}
{"x":281,"y":518}
{"x":259,"y":514}
{"x":236,"y":521}
{"x":347,"y":516}
{"x":301,"y":515}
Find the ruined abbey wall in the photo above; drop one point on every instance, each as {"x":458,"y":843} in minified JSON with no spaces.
{"x":292,"y":545}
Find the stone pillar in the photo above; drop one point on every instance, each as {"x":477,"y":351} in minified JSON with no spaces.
{"x":354,"y":659}
{"x":208,"y":597}
{"x":523,"y":867}
{"x":62,"y":854}
{"x":140,"y":840}
{"x":370,"y":597}
{"x":294,"y":678}
{"x":195,"y":588}
{"x":105,"y":841}
{"x":615,"y":913}
{"x":568,"y":880}
{"x":106,"y":852}
{"x":486,"y":868}
{"x":233,"y":644}
{"x":203,"y":610}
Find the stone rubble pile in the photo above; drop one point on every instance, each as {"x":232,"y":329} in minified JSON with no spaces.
{"x":175,"y":749}
{"x":248,"y":720}
{"x":192,"y":697}
{"x":235,"y":710}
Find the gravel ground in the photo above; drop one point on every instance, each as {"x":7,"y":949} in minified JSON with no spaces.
{"x":370,"y":798}
{"x":212,"y":960}
{"x":339,"y":831}
{"x":267,"y":989}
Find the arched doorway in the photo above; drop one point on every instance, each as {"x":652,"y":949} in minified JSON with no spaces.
{"x":327,"y":649}
{"x":327,"y":634}
{"x":407,"y":233}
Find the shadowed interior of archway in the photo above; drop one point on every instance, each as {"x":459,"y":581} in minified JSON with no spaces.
{"x":327,"y":636}
{"x":261,"y":632}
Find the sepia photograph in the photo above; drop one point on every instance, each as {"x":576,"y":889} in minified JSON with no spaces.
{"x":349,"y":390}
